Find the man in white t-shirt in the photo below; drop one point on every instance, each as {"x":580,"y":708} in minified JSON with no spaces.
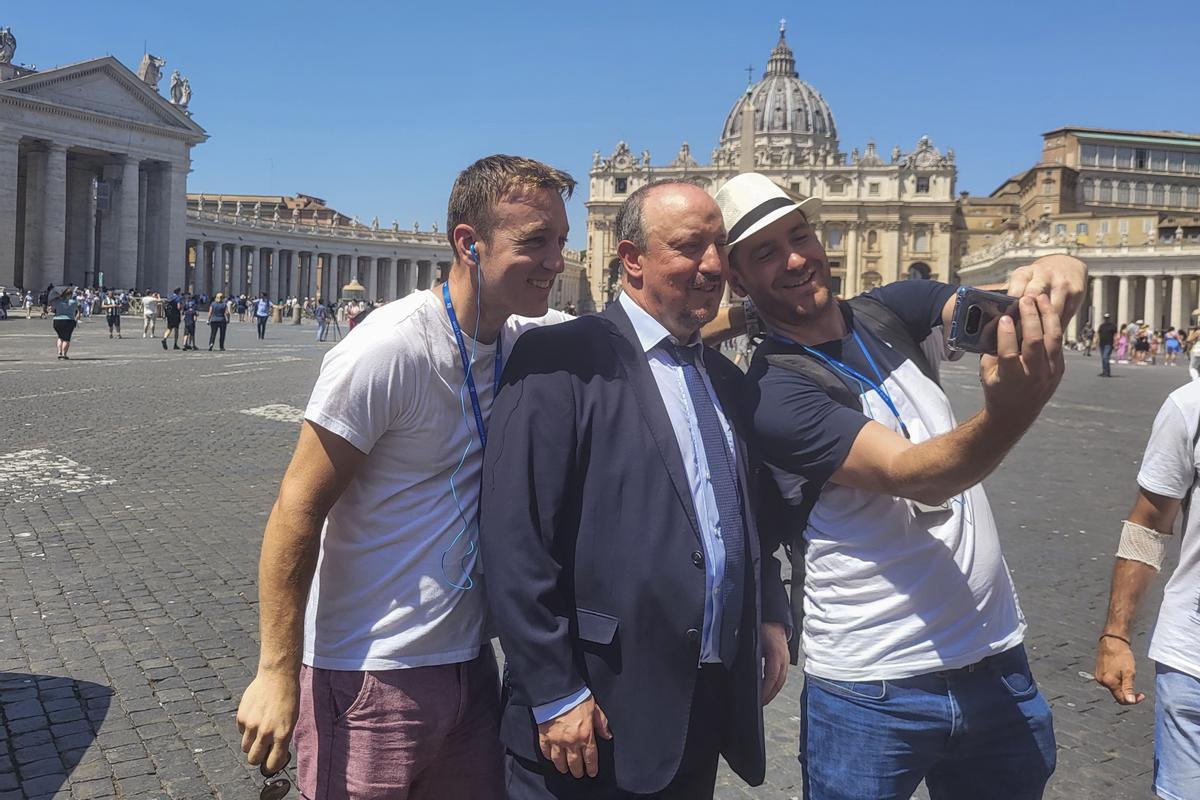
{"x":1166,"y":483}
{"x":387,"y":677}
{"x":914,"y":664}
{"x":150,"y":302}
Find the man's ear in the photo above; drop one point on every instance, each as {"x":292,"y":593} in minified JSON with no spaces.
{"x":464,"y":236}
{"x":631,"y":258}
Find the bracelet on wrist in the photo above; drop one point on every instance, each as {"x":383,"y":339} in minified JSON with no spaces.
{"x":1118,"y":638}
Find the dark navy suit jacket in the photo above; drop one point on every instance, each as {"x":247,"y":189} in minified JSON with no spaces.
{"x":592,"y":556}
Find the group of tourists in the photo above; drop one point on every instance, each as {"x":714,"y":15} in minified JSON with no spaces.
{"x":609,"y":495}
{"x":1138,"y":344}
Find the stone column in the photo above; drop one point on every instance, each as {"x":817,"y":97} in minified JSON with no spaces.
{"x":1153,"y":305}
{"x":424,"y":275}
{"x":54,"y":224}
{"x":1124,"y":301}
{"x":403,"y":279}
{"x":9,"y":162}
{"x":1099,"y":300}
{"x":80,"y":228}
{"x":146,"y":231}
{"x":174,"y":199}
{"x":35,"y":207}
{"x":1179,"y":309}
{"x":127,"y":205}
{"x":850,"y":289}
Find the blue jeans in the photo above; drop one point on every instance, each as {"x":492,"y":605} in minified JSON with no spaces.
{"x":1106,"y":359}
{"x":980,"y":732}
{"x":322,"y":327}
{"x":262,"y":327}
{"x":1176,"y":734}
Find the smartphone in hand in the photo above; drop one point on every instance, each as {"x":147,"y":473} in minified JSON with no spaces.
{"x":977,"y":314}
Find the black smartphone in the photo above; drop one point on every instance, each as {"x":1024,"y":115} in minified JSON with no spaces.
{"x":977,"y":314}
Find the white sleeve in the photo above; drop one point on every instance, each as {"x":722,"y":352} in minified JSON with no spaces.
{"x":1169,"y":466}
{"x":362,"y":389}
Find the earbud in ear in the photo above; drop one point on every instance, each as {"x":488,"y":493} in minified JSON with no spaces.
{"x":474,"y":254}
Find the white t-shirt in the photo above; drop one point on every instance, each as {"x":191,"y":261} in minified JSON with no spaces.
{"x":1169,"y":468}
{"x":149,"y":306}
{"x":382,"y":597}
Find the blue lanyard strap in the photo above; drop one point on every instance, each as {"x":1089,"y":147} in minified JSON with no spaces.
{"x":858,"y":376}
{"x":468,"y":362}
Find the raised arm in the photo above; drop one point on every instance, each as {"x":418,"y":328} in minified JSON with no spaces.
{"x":1016,"y":384}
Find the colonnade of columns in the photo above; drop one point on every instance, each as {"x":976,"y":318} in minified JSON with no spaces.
{"x":1163,"y":301}
{"x":282,"y":272}
{"x":69,"y":215}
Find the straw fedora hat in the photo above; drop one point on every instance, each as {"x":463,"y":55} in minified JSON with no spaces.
{"x":751,"y":202}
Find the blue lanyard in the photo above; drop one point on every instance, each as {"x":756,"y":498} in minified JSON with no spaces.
{"x":467,"y":363}
{"x":858,"y":376}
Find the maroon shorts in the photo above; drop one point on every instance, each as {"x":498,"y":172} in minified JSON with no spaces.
{"x":425,"y":732}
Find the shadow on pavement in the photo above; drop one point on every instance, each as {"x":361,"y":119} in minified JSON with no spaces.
{"x":47,"y":723}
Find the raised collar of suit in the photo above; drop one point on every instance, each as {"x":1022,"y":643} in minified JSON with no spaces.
{"x":650,"y":332}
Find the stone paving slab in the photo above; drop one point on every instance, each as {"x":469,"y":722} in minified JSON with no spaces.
{"x":135,"y":484}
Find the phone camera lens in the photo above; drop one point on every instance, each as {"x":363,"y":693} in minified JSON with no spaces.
{"x":974,"y":316}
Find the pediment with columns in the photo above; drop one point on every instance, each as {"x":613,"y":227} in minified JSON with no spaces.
{"x":101,"y":88}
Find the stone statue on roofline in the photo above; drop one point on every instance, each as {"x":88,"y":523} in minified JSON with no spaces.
{"x":375,"y":224}
{"x":176,"y":88}
{"x":8,"y":45}
{"x":185,"y":93}
{"x":150,"y":70}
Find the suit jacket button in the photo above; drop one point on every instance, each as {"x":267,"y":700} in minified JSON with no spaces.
{"x":698,"y":558}
{"x":693,"y":635}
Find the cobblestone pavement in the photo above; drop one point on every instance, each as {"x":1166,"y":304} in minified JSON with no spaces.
{"x":135,"y":484}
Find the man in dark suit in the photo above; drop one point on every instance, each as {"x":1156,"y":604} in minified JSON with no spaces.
{"x":621,"y":553}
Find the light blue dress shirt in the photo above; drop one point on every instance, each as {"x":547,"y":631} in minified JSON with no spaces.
{"x":671,"y":386}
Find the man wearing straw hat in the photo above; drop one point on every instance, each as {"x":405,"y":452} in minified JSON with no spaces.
{"x":914,"y":664}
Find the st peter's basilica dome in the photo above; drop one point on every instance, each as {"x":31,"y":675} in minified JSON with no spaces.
{"x":787,"y":111}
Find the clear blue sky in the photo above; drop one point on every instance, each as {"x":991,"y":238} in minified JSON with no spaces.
{"x":375,"y":106}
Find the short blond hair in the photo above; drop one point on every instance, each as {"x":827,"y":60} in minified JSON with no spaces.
{"x":479,"y":187}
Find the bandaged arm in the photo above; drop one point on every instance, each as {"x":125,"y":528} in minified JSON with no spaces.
{"x":1139,"y":558}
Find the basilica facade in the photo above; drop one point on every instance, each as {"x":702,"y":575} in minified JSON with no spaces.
{"x":886,"y":217}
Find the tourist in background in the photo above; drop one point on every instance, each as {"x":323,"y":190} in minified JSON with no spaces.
{"x":66,"y":315}
{"x":218,"y":320}
{"x":173,"y":313}
{"x":242,"y":304}
{"x":1166,"y":482}
{"x":1173,"y":345}
{"x":190,"y":309}
{"x":1104,"y":340}
{"x":28,"y":304}
{"x":262,"y":312}
{"x":321,"y":313}
{"x":1123,"y":346}
{"x":150,"y":303}
{"x":112,"y":314}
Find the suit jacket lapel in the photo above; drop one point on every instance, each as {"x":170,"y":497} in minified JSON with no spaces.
{"x":649,"y":399}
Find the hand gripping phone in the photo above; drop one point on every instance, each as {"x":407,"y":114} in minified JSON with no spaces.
{"x":977,"y":314}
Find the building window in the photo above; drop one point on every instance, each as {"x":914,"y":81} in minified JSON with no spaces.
{"x":1175,"y":196}
{"x":1147,"y":225}
{"x":1158,"y":161}
{"x":922,"y":185}
{"x":1122,"y":192}
{"x":1193,"y":197}
{"x":873,"y":188}
{"x":1124,"y":226}
{"x":1124,"y":157}
{"x":1141,"y":159}
{"x":1192,"y":164}
{"x":795,"y":187}
{"x":1106,"y":191}
{"x":1047,"y":186}
{"x":1158,"y":195}
{"x":1108,"y":156}
{"x":622,"y":185}
{"x":1060,"y":229}
{"x":1089,"y":190}
{"x":836,"y":186}
{"x":1088,"y":154}
{"x":1174,"y":162}
{"x":1081,"y":229}
{"x":833,"y":237}
{"x":872,"y":240}
{"x":921,"y":240}
{"x":1139,"y":194}
{"x":1104,"y":228}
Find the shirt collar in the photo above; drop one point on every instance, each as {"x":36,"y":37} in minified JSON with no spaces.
{"x":650,"y":332}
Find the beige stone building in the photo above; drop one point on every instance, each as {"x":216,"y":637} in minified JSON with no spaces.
{"x":1127,"y":202}
{"x":886,"y":216}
